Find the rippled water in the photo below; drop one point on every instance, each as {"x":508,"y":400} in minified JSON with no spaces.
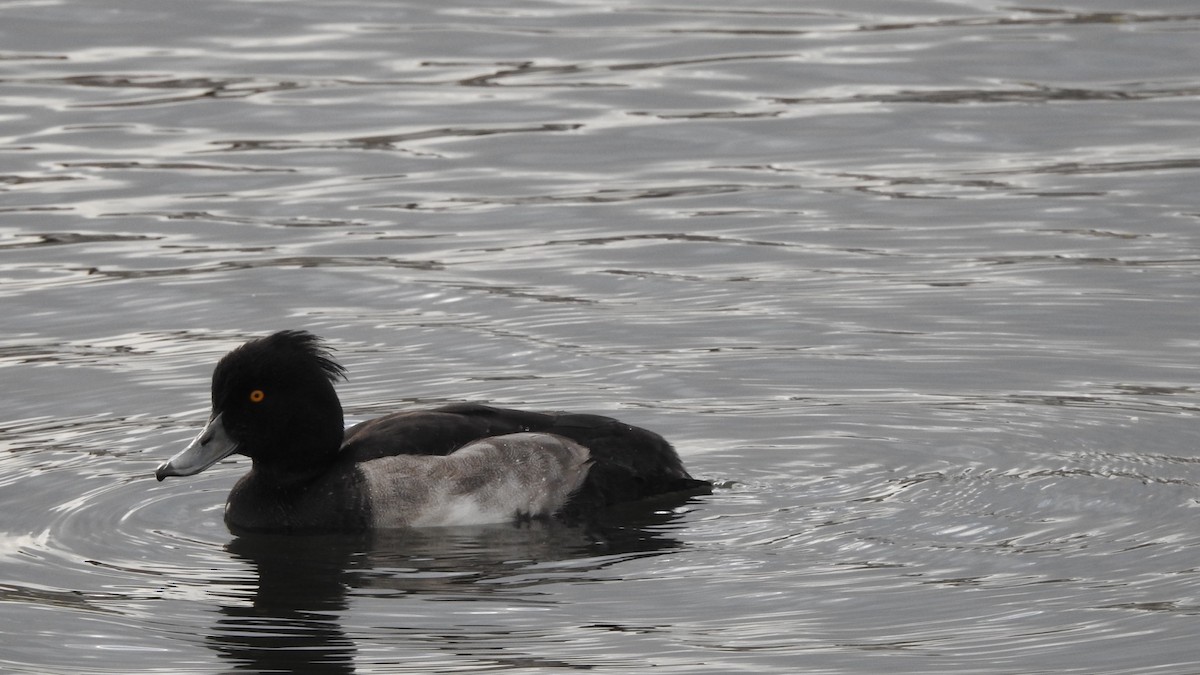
{"x":915,"y":282}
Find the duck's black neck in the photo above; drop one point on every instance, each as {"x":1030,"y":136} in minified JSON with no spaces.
{"x":306,"y":453}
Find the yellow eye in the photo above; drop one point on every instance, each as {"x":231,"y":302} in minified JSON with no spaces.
{"x":257,"y":396}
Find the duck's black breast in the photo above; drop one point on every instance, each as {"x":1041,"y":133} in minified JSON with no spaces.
{"x":335,"y":501}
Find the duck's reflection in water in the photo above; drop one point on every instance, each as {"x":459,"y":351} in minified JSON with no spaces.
{"x":293,"y":619}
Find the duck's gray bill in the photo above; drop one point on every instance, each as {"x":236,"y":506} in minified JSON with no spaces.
{"x":207,"y":448}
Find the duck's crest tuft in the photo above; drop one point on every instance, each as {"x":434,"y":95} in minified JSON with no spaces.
{"x":310,"y":347}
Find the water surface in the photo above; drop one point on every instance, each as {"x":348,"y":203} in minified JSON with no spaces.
{"x":915,"y":283}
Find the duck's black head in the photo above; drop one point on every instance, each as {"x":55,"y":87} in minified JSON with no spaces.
{"x":272,"y":400}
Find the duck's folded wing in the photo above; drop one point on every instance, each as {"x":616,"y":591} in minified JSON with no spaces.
{"x":440,"y":431}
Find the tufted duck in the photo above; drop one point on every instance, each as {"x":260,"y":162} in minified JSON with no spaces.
{"x":273,"y":401}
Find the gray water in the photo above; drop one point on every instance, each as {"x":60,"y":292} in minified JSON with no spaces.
{"x":916,"y":283}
